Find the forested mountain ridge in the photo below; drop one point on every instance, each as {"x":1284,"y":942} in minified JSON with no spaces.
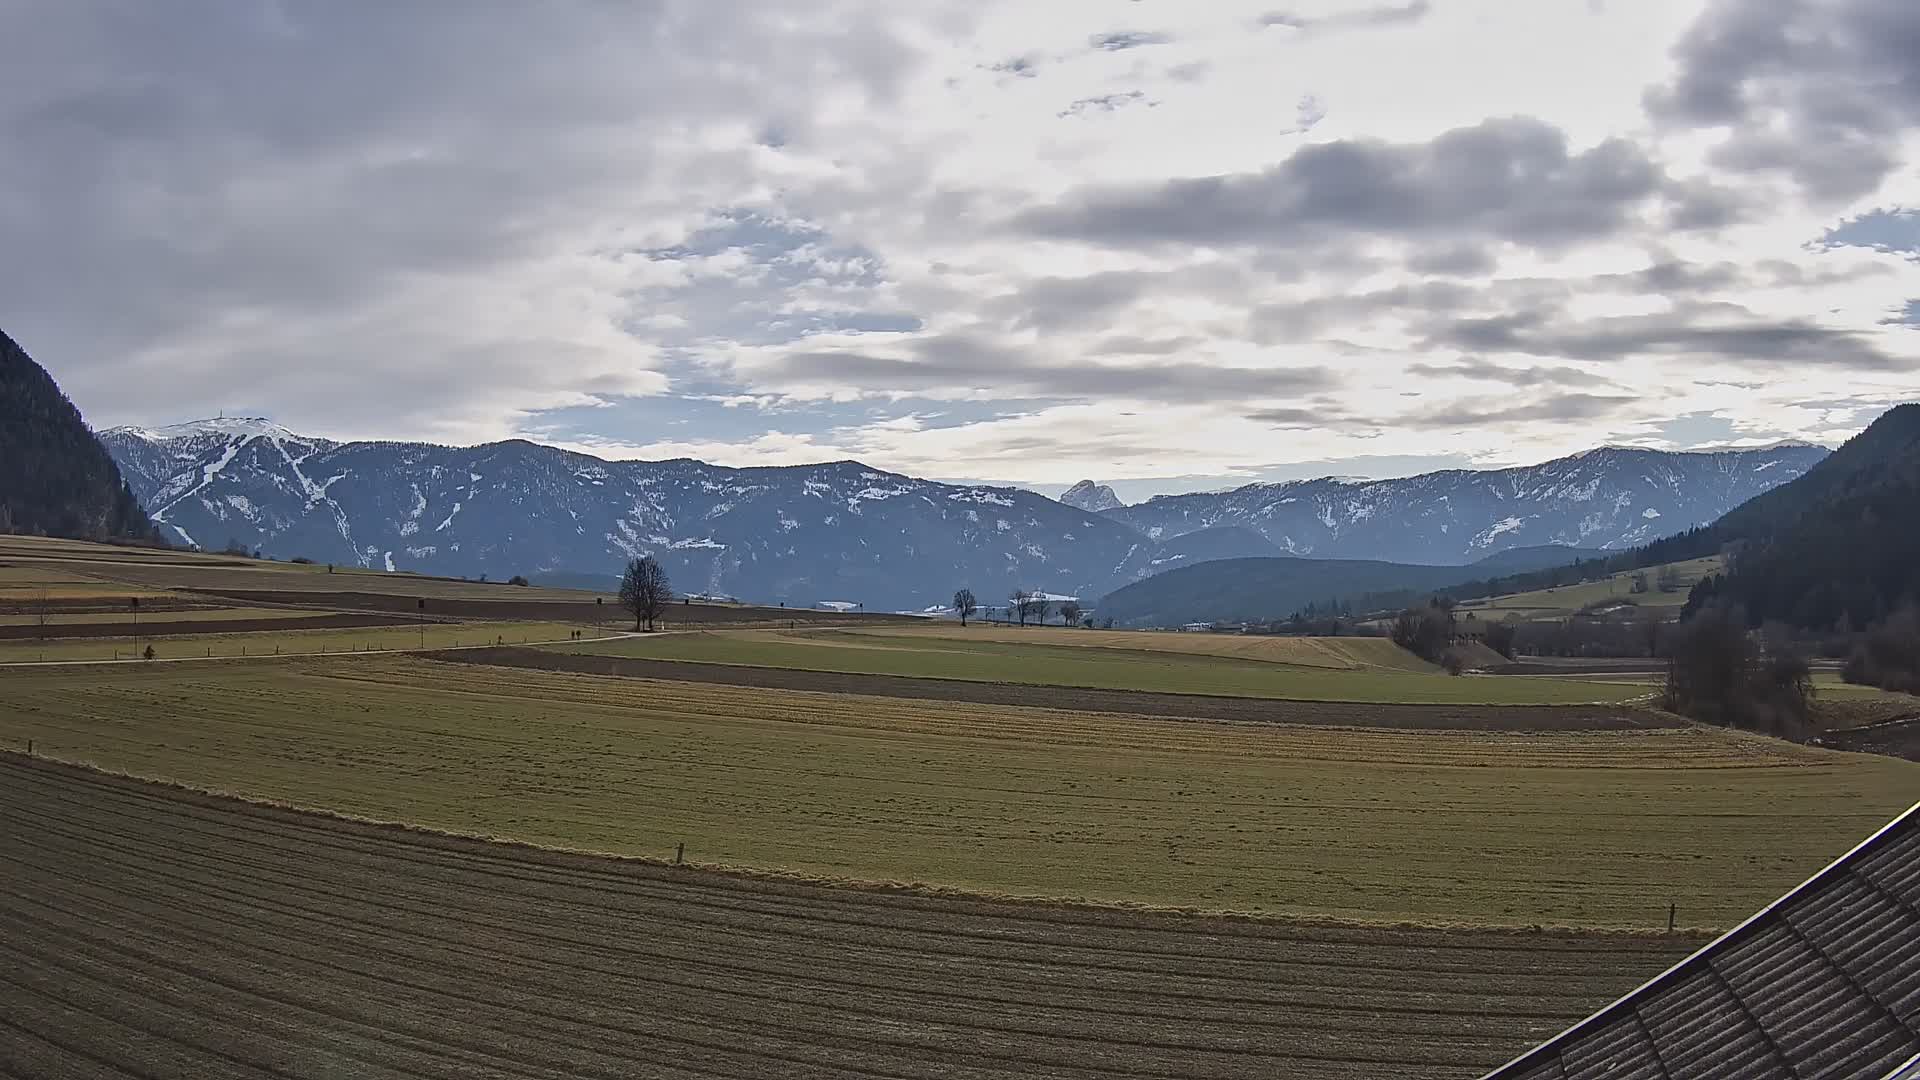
{"x":1836,"y":548}
{"x":56,"y":479}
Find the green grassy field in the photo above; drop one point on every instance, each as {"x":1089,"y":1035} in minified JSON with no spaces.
{"x":272,"y":642}
{"x":1568,"y":599}
{"x":1433,"y":825}
{"x":990,"y":659}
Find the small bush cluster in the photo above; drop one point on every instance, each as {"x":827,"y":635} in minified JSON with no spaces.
{"x":1888,"y":656}
{"x":1719,"y":673}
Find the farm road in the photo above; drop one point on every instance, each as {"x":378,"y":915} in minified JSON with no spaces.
{"x":153,"y":931}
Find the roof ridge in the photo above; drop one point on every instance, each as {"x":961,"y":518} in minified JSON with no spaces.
{"x":1626,"y":1003}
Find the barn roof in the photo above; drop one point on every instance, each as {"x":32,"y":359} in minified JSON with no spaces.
{"x":1823,"y":982}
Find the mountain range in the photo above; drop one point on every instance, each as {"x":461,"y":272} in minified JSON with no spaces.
{"x":846,"y":531}
{"x":1609,"y":498}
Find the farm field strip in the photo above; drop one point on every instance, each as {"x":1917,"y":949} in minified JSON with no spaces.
{"x":1344,"y":653}
{"x":1567,"y":599}
{"x":1108,"y":669}
{"x":383,"y":636}
{"x":1453,"y":827}
{"x":159,"y":919}
{"x":56,"y":620}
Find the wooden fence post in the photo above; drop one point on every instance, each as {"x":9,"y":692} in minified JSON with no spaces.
{"x":1672,"y":909}
{"x":679,"y":852}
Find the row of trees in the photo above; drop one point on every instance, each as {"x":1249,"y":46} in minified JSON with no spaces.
{"x":1022,"y":604}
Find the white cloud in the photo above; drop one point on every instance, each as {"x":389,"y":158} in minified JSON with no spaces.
{"x":1175,"y":239}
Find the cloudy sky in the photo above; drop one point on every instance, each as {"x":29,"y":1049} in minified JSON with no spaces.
{"x":1169,"y":244}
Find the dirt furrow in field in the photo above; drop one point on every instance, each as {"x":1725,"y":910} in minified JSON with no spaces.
{"x":221,"y":938}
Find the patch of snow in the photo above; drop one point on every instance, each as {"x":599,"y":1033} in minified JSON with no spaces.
{"x":457,"y":504}
{"x":389,"y":562}
{"x":422,"y":552}
{"x":1002,"y":524}
{"x":1649,"y":513}
{"x":242,"y":504}
{"x":702,"y":542}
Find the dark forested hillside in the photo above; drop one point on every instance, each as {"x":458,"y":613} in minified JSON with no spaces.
{"x":1839,"y":546}
{"x":55,"y":477}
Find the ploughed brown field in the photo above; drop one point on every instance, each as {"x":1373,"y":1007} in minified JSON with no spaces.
{"x":154,"y":931}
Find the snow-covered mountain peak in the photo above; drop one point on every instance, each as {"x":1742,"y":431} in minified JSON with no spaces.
{"x":1091,"y":497}
{"x":220,"y":425}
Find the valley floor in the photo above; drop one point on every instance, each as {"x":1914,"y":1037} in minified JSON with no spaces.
{"x":157,"y":931}
{"x":1436,"y":825}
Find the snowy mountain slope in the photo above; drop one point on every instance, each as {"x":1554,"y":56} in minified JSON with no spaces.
{"x":1091,"y":497}
{"x":1610,"y":498}
{"x":844,"y":531}
{"x":802,"y":534}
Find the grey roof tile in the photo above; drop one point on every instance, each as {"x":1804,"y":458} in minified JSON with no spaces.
{"x":1822,"y":985}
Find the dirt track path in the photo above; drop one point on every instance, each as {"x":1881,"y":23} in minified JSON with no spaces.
{"x":157,"y":932}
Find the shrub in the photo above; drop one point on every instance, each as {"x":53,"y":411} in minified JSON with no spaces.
{"x":1452,"y":662}
{"x":302,"y":560}
{"x":517,"y":579}
{"x":1500,"y":637}
{"x":1718,"y":673}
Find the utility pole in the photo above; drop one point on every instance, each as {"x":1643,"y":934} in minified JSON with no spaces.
{"x":135,"y":604}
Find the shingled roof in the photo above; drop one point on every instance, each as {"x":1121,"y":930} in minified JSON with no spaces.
{"x":1824,"y":982}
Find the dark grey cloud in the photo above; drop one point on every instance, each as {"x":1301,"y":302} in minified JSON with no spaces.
{"x":1714,"y":331}
{"x":1511,"y":179}
{"x":1817,"y":91}
{"x":1104,"y":103}
{"x":1136,"y":345}
{"x":1119,"y":40}
{"x":1559,"y":407}
{"x":1297,"y":417}
{"x":1302,"y":320}
{"x":1452,"y":260}
{"x":1487,"y":371}
{"x":205,"y":201}
{"x":1363,"y":19}
{"x":962,"y":361}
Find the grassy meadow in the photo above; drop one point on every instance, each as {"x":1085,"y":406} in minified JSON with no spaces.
{"x":1593,"y":829}
{"x":1566,"y":600}
{"x":1170,"y":664}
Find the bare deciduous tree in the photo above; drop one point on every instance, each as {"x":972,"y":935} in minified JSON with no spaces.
{"x":645,"y":591}
{"x":1070,"y":613}
{"x":1021,"y":605}
{"x":964,"y":604}
{"x":42,"y":614}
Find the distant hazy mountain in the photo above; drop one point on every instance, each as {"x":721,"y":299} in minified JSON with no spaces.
{"x":803,"y":534}
{"x":1610,"y":498}
{"x":844,"y":531}
{"x":55,"y":477}
{"x":1089,"y":496}
{"x":1262,"y":589}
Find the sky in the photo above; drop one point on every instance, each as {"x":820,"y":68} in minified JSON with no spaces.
{"x":1165,"y":245}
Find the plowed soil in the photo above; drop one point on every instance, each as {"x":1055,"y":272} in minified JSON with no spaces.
{"x":157,"y":932}
{"x":1191,"y":706}
{"x":147,"y":628}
